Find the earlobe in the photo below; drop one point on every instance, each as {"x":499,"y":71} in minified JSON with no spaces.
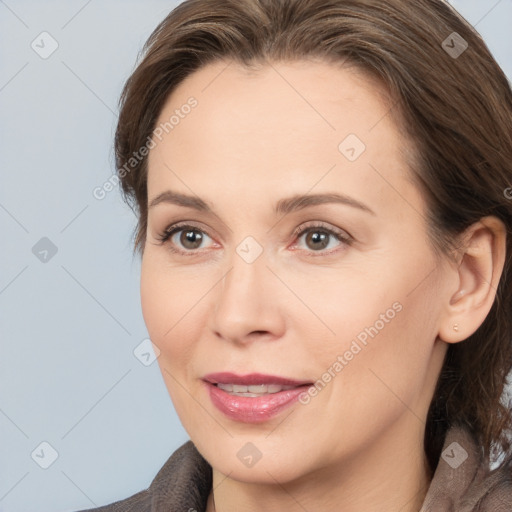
{"x":478,"y":275}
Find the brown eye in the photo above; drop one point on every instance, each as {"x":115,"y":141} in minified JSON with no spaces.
{"x":317,"y":239}
{"x":184,"y":238}
{"x":191,"y":238}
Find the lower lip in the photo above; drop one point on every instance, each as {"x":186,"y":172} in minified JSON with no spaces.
{"x":253,"y":409}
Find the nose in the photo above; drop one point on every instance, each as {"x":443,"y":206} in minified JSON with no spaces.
{"x":249,"y":303}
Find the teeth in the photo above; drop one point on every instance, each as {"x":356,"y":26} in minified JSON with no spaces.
{"x":274,"y":388}
{"x":253,"y":390}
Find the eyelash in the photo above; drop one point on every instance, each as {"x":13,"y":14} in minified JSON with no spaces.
{"x":176,"y":228}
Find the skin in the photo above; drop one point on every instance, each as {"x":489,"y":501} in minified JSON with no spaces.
{"x":255,"y":138}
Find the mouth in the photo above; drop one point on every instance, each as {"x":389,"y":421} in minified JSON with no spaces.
{"x":253,"y":398}
{"x":253,"y":390}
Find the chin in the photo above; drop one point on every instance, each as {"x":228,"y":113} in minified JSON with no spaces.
{"x":252,"y":458}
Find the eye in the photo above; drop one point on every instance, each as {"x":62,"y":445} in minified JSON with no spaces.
{"x":187,"y":239}
{"x":183,"y":238}
{"x":319,"y":237}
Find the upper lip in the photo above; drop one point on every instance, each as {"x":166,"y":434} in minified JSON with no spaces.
{"x":251,"y":379}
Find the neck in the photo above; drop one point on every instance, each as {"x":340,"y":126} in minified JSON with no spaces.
{"x":391,"y":474}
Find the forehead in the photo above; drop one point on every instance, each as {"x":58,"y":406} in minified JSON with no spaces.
{"x":291,"y":126}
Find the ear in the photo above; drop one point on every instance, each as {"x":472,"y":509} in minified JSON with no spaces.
{"x":479,"y":270}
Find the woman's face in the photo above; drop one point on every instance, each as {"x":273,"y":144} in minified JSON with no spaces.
{"x":341,"y":288}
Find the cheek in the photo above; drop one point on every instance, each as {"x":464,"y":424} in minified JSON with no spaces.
{"x":381,"y":335}
{"x":344,"y":307}
{"x":165,"y":295}
{"x":171,"y":301}
{"x":382,"y":358}
{"x":168,"y":306}
{"x":163,"y":304}
{"x":155,"y":300}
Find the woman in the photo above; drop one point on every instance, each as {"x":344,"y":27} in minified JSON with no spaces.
{"x":323,"y":190}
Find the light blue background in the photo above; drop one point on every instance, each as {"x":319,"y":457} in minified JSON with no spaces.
{"x":68,"y":375}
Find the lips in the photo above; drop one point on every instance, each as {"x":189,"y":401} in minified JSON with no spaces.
{"x":252,"y":398}
{"x":251,"y":379}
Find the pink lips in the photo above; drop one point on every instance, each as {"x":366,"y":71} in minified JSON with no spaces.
{"x":252,"y":409}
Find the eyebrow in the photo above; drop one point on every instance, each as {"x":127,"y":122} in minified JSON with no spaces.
{"x":283,"y":206}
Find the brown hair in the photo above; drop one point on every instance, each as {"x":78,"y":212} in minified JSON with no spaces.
{"x":455,"y":109}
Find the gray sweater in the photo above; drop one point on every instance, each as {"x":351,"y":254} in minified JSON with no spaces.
{"x":461,"y":482}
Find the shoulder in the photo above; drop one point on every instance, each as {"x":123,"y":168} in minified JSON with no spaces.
{"x":184,"y":479}
{"x":464,"y":481}
{"x":140,"y":502}
{"x":497,"y":490}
